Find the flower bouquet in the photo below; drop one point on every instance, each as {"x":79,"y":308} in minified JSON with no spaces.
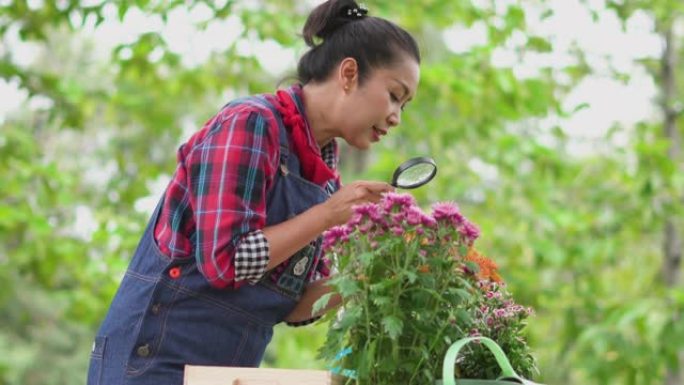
{"x":412,"y":283}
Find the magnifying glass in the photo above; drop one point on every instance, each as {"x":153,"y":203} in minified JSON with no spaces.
{"x":413,"y":173}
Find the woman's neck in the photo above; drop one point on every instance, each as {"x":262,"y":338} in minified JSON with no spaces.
{"x":318,"y":107}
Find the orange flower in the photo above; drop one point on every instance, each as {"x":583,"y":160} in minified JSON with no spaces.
{"x":488,"y":268}
{"x":424,"y":268}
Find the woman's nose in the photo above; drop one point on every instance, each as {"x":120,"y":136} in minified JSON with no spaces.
{"x":394,"y":118}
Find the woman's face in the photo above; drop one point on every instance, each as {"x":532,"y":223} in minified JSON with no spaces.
{"x":370,"y":109}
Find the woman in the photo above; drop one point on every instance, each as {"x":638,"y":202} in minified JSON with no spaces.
{"x":234,"y":247}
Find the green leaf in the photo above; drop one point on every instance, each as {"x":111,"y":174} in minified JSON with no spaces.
{"x":392,"y":326}
{"x":321,"y":303}
{"x":347,"y":287}
{"x":463,"y":250}
{"x":539,"y":44}
{"x":381,"y":301}
{"x":473,"y":266}
{"x":411,"y":276}
{"x":365,"y":258}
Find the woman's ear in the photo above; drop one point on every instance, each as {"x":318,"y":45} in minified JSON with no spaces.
{"x":348,"y":74}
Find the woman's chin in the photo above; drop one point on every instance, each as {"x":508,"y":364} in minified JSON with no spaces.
{"x":360,"y":144}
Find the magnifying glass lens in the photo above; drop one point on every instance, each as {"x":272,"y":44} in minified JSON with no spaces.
{"x":417,"y":174}
{"x":414,"y":173}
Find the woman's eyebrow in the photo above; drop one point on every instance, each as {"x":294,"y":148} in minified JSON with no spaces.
{"x":405,"y":87}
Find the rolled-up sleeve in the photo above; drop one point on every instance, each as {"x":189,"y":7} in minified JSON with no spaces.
{"x":251,"y":257}
{"x":229,"y":173}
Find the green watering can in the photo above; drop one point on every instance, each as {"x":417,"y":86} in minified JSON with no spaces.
{"x":508,"y":375}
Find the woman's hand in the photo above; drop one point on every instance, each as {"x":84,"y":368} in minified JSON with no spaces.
{"x":339,"y":207}
{"x":314,"y":291}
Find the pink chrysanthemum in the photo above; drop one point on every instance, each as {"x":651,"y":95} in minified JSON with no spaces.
{"x":398,"y":231}
{"x":335,"y":235}
{"x":414,"y":215}
{"x":448,"y":212}
{"x":469,"y":230}
{"x":398,"y":218}
{"x":355,"y":220}
{"x":399,"y":201}
{"x":368,"y":210}
{"x":366,"y":227}
{"x":428,"y":221}
{"x":500,"y":313}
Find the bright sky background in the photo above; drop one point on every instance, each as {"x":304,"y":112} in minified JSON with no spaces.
{"x":609,"y":100}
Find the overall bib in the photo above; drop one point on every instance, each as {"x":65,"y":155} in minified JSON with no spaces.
{"x":166,"y":315}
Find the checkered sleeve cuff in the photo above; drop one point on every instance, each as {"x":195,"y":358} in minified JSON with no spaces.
{"x":303,"y":323}
{"x":251,"y":257}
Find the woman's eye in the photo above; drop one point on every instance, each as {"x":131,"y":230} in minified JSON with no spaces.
{"x":395,"y":99}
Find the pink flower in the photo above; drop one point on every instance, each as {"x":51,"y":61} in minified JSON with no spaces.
{"x":355,"y":220}
{"x":366,"y":217}
{"x":366,"y":227}
{"x":398,"y":218}
{"x":428,"y":221}
{"x":447,"y":212}
{"x":395,"y":200}
{"x":368,"y":210}
{"x":414,"y":216}
{"x":398,"y":231}
{"x":470,"y":231}
{"x":516,"y":308}
{"x":335,"y":235}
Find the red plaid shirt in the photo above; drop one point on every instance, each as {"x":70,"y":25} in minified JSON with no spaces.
{"x":215,"y":206}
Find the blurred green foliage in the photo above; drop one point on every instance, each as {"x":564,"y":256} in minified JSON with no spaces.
{"x":576,"y":237}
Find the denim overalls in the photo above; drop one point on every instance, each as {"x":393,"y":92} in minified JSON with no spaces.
{"x":166,"y":315}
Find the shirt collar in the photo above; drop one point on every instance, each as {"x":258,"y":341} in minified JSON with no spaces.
{"x":329,"y":152}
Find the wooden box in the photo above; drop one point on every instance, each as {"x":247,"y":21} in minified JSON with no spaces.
{"x":216,"y":375}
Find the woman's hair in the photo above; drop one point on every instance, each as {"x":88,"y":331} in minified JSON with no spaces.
{"x":346,"y":31}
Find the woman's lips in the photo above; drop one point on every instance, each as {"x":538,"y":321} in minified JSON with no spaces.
{"x":377,"y":133}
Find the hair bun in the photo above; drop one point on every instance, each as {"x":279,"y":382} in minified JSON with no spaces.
{"x":347,"y":32}
{"x":328,"y":17}
{"x":350,"y":12}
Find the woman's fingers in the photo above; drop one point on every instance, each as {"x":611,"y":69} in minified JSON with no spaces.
{"x":340,"y":205}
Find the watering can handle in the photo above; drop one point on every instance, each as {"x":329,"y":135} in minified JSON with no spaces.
{"x":452,"y":353}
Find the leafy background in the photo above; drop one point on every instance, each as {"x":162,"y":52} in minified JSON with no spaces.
{"x":592,"y":239}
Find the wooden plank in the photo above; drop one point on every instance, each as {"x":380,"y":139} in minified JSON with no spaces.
{"x":216,"y":375}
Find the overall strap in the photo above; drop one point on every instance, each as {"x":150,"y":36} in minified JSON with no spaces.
{"x":283,"y":135}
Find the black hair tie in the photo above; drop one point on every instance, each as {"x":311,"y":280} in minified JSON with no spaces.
{"x":354,"y":12}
